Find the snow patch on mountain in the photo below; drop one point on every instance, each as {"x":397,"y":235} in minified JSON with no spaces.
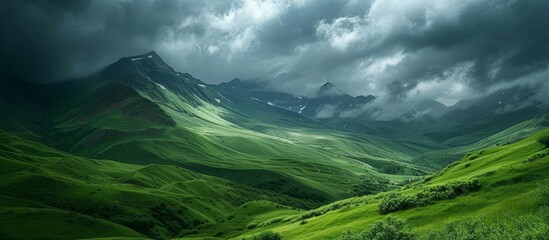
{"x":161,"y":86}
{"x":301,"y":109}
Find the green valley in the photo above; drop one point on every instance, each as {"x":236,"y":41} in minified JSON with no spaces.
{"x":139,"y":150}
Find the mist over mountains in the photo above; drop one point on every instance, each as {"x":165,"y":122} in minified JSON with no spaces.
{"x":331,"y":102}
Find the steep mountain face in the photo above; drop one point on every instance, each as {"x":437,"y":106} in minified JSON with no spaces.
{"x":148,"y":72}
{"x":257,"y":92}
{"x":117,"y":98}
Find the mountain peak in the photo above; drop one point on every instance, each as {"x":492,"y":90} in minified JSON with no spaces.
{"x":148,"y":61}
{"x":236,"y":80}
{"x":152,"y":52}
{"x":148,"y":64}
{"x":247,"y":85}
{"x":329,"y":89}
{"x":149,"y":55}
{"x":430,"y":103}
{"x":327,"y":85}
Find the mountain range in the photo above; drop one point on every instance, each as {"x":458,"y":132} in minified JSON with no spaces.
{"x":140,"y":150}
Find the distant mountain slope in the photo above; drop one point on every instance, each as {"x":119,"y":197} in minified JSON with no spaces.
{"x":329,"y":101}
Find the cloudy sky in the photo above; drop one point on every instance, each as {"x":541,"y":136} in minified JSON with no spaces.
{"x":394,"y":49}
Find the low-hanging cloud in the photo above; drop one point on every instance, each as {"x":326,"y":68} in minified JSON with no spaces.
{"x":396,"y":50}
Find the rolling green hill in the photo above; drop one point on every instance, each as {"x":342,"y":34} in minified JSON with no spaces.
{"x":84,"y":194}
{"x":511,"y":192}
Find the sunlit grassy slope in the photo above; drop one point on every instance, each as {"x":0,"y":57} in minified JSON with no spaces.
{"x":508,"y":174}
{"x":44,"y":188}
{"x":76,"y":197}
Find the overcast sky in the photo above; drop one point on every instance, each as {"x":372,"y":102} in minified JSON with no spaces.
{"x":394,"y":49}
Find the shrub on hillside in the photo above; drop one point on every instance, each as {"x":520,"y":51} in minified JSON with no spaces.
{"x":268,"y":235}
{"x":349,"y":235}
{"x":537,"y":156}
{"x":530,"y":226}
{"x":251,"y":226}
{"x":393,"y":202}
{"x":544,"y":140}
{"x":392,"y":229}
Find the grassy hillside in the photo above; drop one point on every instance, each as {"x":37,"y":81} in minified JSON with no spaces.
{"x":42,"y":188}
{"x":441,"y":158}
{"x":54,"y":188}
{"x":509,"y":180}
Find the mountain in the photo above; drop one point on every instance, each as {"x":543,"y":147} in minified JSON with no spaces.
{"x":333,"y":102}
{"x":140,"y":150}
{"x":478,"y":118}
{"x":258,"y":92}
{"x":329,"y":101}
{"x":329,"y":89}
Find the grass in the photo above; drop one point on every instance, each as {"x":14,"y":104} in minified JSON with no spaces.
{"x":145,"y":199}
{"x":508,"y":186}
{"x":36,"y":223}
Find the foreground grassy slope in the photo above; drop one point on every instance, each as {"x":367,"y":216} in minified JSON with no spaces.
{"x":42,"y":187}
{"x":45,"y":188}
{"x":508,"y":177}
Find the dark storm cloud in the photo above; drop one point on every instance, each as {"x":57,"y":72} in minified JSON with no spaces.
{"x":445,"y":50}
{"x":494,"y":40}
{"x":49,"y":40}
{"x":503,"y":39}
